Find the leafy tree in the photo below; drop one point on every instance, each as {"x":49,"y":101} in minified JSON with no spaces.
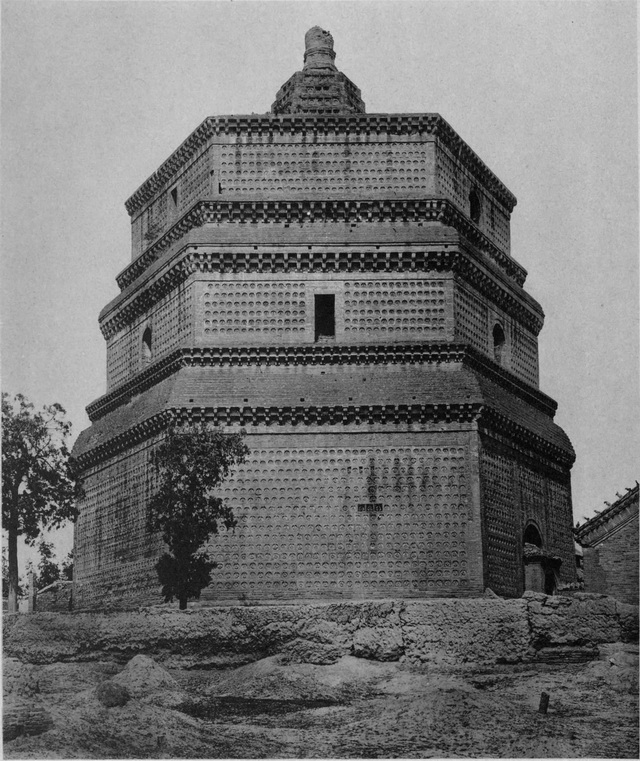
{"x":48,"y":570}
{"x":191,"y":462}
{"x":38,"y":487}
{"x":67,"y":567}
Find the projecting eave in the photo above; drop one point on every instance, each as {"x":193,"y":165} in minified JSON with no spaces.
{"x":400,"y":211}
{"x":375,"y":394}
{"x":214,"y":246}
{"x":610,"y":520}
{"x":132,"y":413}
{"x":266,"y":125}
{"x":282,"y":235}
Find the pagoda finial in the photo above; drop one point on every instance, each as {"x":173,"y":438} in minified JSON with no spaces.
{"x":318,"y":53}
{"x":319,"y":88}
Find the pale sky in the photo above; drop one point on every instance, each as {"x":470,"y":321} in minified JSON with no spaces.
{"x":96,"y":95}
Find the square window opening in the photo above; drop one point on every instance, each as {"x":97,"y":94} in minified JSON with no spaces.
{"x":325,"y":316}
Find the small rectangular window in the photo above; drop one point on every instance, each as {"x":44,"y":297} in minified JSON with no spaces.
{"x":174,"y":197}
{"x":325,"y":316}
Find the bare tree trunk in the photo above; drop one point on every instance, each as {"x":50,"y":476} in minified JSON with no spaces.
{"x":12,"y":601}
{"x":183,"y":603}
{"x":33,"y":593}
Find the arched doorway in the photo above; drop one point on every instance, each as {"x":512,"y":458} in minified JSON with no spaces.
{"x":499,"y":340}
{"x":532,"y":535}
{"x":146,"y":346}
{"x":540,"y":566}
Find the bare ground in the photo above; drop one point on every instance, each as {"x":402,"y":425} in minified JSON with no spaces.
{"x":351,"y":709}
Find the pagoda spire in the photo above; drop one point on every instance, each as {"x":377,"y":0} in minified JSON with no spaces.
{"x":319,"y":88}
{"x":318,"y":49}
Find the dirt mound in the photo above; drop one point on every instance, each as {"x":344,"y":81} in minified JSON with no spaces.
{"x":142,"y":676}
{"x":349,"y":677}
{"x":618,"y":666}
{"x":276,"y":678}
{"x":354,"y":708}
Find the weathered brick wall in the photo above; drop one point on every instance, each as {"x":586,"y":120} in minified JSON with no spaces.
{"x":504,"y":565}
{"x":268,"y":309}
{"x":523,"y":353}
{"x":351,"y":516}
{"x":317,"y":164}
{"x":334,"y":514}
{"x":285,"y":168}
{"x":475,"y":318}
{"x":193,"y":181}
{"x":256,"y":309}
{"x":612,"y":566}
{"x":114,"y":554}
{"x":559,"y":521}
{"x":171,"y":321}
{"x":456,"y":182}
{"x":514,"y":493}
{"x":347,"y":164}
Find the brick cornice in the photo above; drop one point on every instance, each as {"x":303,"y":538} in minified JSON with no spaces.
{"x":225,"y":259}
{"x":113,"y":319}
{"x":489,"y":422}
{"x":129,"y":438}
{"x":267,"y":127}
{"x":502,"y":428}
{"x":143,"y":380}
{"x":281,"y":416}
{"x":299,"y":211}
{"x":245,"y":356}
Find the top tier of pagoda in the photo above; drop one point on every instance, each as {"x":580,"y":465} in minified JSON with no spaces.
{"x":319,"y":88}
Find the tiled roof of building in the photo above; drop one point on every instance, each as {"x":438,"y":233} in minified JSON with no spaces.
{"x":615,"y":515}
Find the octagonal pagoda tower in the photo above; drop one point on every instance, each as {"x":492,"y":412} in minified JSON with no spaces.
{"x":341,"y":285}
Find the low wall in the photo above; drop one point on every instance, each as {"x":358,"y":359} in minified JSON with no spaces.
{"x":56,"y":597}
{"x":448,"y":632}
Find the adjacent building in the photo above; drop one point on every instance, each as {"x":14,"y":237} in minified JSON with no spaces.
{"x":340,"y":285}
{"x":609,"y":544}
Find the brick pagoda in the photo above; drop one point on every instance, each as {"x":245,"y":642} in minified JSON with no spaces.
{"x":340,"y":285}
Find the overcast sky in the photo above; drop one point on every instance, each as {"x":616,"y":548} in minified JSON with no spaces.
{"x":95,"y":95}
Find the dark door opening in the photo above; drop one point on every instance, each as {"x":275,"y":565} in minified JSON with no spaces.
{"x":499,"y":339}
{"x":549,"y":582}
{"x":532,"y":536}
{"x":146,"y":347}
{"x":325,"y":316}
{"x":474,"y":206}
